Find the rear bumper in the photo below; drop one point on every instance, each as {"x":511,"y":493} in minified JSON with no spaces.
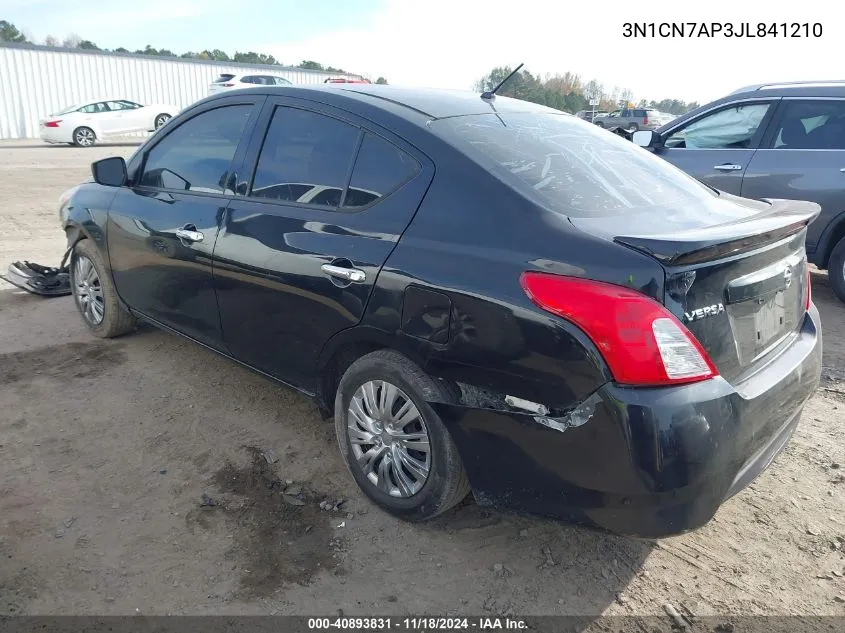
{"x":54,"y":135}
{"x":647,"y":462}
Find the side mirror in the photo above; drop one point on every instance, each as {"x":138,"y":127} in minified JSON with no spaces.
{"x":647,"y":138}
{"x":110,"y":172}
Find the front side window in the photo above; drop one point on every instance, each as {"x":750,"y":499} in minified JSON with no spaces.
{"x":305,"y":158}
{"x":196,"y":155}
{"x":572,"y":167}
{"x":811,"y":125}
{"x":730,"y":128}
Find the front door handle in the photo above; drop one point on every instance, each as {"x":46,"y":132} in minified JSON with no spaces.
{"x":189,"y":234}
{"x":728,"y":167}
{"x":347,"y":274}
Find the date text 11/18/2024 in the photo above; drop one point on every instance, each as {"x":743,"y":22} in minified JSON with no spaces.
{"x":722,"y":29}
{"x":414,"y":624}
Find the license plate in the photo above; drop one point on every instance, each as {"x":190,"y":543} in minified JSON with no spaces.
{"x":770,"y":320}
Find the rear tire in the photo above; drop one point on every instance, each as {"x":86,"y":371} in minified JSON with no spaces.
{"x":836,"y":269}
{"x":84,"y":137}
{"x":161,"y":119}
{"x":95,"y":295}
{"x":397,"y":486}
{"x":599,"y":123}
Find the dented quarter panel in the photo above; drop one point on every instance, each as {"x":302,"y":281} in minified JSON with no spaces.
{"x":650,"y":462}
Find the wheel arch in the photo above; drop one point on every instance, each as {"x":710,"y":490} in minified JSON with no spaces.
{"x":833,"y":232}
{"x":344,"y":349}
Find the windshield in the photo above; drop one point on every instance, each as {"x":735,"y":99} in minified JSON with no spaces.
{"x":571,"y":166}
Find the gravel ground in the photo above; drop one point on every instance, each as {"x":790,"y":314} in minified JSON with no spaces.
{"x":144,"y":474}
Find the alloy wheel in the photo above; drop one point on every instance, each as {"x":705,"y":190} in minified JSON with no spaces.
{"x":389,"y":439}
{"x":88,"y":291}
{"x":84,"y":137}
{"x":161,"y":120}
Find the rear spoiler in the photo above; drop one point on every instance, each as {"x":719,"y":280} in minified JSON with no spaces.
{"x":782,"y":219}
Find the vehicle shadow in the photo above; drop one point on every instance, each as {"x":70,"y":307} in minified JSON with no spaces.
{"x":542,"y":567}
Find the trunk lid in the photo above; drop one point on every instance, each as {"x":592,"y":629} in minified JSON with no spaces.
{"x":737,"y":278}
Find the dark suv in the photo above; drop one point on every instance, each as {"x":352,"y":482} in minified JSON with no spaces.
{"x":490,"y":296}
{"x":772,"y":141}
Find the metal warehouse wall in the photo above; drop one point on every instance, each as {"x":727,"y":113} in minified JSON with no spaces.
{"x":36,"y":81}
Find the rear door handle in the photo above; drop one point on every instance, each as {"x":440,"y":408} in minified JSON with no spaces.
{"x":189,"y":234}
{"x":728,"y":167}
{"x":347,"y":274}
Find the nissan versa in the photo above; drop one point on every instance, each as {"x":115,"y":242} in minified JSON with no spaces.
{"x":487,"y":294}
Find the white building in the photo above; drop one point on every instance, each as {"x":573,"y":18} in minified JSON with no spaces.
{"x":36,"y":81}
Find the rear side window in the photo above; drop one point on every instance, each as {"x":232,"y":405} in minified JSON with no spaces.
{"x":811,"y":125}
{"x":94,"y":108}
{"x":305,"y":158}
{"x":380,"y":169}
{"x":571,"y":166}
{"x":196,"y":155}
{"x":223,"y":78}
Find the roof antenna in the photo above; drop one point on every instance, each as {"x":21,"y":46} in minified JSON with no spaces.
{"x":491,"y":94}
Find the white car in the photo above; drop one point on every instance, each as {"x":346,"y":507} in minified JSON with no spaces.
{"x":85,"y":123}
{"x":228,"y":81}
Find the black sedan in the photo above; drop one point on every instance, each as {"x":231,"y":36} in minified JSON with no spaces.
{"x":486,"y":294}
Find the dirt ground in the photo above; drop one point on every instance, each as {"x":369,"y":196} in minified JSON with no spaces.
{"x":146,"y":475}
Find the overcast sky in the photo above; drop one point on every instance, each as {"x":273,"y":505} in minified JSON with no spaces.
{"x":452,"y":43}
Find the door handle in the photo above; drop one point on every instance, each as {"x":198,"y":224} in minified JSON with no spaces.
{"x":347,"y":274}
{"x":842,"y":170}
{"x":728,"y":167}
{"x":189,"y":234}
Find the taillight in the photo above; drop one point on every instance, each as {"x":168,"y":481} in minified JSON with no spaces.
{"x":640,"y":340}
{"x":52,"y":123}
{"x":645,"y":120}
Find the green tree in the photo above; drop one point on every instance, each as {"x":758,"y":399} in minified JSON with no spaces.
{"x":312,"y":65}
{"x":217,"y":55}
{"x":121,"y":50}
{"x":10,"y":33}
{"x":254,"y":58}
{"x":88,"y":45}
{"x":381,"y":80}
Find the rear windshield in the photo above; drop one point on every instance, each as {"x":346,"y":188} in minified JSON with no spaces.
{"x":571,"y":166}
{"x":72,"y":108}
{"x":223,"y":78}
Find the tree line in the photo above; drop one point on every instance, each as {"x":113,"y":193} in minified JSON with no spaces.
{"x":10,"y":33}
{"x":570,"y":93}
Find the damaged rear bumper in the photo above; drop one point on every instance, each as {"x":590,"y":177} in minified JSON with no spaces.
{"x":642,"y":462}
{"x":37,"y":279}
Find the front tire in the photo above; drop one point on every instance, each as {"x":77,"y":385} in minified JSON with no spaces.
{"x":395,"y":446}
{"x":836,"y":269}
{"x":84,"y":137}
{"x":95,"y":295}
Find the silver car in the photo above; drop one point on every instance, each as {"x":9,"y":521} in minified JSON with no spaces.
{"x":771,"y":141}
{"x":632,"y":119}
